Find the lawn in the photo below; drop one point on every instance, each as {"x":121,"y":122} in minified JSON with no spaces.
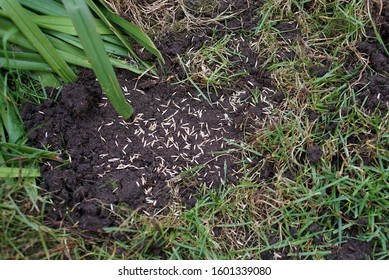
{"x":232,"y":130}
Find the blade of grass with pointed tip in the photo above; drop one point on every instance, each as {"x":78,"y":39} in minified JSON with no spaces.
{"x":118,"y":34}
{"x":94,"y":49}
{"x":21,"y":18}
{"x":207,"y":98}
{"x":74,"y":55}
{"x":132,"y":30}
{"x":30,"y":152}
{"x":137,"y":34}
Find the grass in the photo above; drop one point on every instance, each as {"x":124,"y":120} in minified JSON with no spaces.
{"x":48,"y":37}
{"x":340,"y":189}
{"x":211,"y":65}
{"x":306,"y":210}
{"x":21,"y":205}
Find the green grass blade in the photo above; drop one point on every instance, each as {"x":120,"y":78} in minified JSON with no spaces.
{"x":22,"y":63}
{"x":207,"y":98}
{"x":118,"y":33}
{"x":31,"y":152}
{"x":45,"y":7}
{"x":70,"y":49}
{"x":9,"y":117}
{"x":132,"y":30}
{"x":16,"y":38}
{"x":137,"y":34}
{"x":12,"y":172}
{"x":111,"y":48}
{"x":94,"y":49}
{"x":21,"y":18}
{"x":124,"y":65}
{"x":64,"y":24}
{"x":46,"y":78}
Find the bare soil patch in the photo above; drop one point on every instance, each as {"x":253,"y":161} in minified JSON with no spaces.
{"x":175,"y":134}
{"x":139,"y":160}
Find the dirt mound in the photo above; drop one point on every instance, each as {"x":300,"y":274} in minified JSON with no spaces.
{"x":136,"y":162}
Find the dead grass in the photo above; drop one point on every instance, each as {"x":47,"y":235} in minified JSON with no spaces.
{"x":161,"y":16}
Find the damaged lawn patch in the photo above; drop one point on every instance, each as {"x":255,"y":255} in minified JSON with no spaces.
{"x":264,"y":137}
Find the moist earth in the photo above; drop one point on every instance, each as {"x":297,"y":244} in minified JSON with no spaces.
{"x":173,"y":134}
{"x":176,"y":135}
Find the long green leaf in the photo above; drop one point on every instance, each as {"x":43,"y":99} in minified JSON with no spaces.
{"x":77,"y":57}
{"x":137,"y":34}
{"x":64,"y":24}
{"x":118,"y":33}
{"x":18,"y":64}
{"x":30,"y":152}
{"x":112,"y":48}
{"x":132,"y":30}
{"x":50,"y":8}
{"x":12,"y":172}
{"x":17,"y":38}
{"x":21,"y":17}
{"x":68,"y":47}
{"x":23,"y":61}
{"x":94,"y":49}
{"x":71,"y":54}
{"x":9,"y":116}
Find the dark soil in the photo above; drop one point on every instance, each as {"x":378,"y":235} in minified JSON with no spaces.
{"x":374,"y":84}
{"x":174,"y":133}
{"x":352,"y":250}
{"x":113,"y":161}
{"x":314,"y":154}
